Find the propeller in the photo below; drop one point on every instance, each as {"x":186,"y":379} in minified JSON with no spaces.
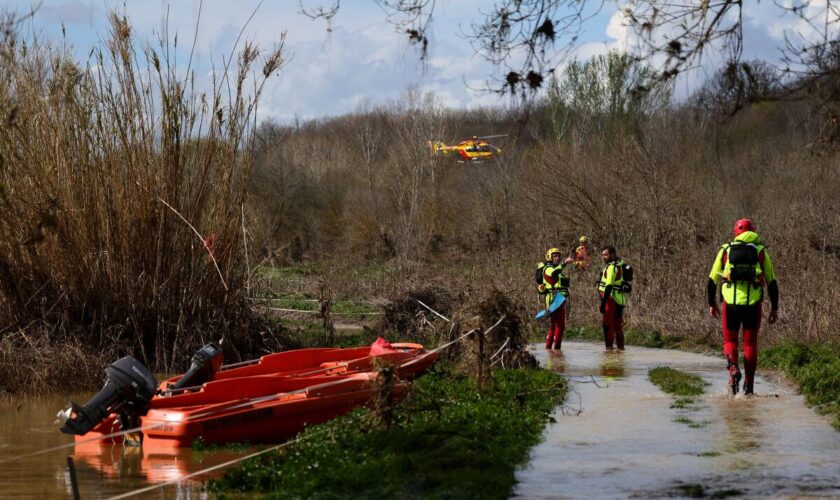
{"x":488,"y":136}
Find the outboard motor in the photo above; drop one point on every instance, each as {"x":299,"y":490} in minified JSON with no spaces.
{"x":129,"y":388}
{"x":205,"y":363}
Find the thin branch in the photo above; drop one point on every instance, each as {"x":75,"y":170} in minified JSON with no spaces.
{"x":209,"y":252}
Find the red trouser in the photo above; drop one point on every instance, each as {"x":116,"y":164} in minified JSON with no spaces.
{"x":554,"y":337}
{"x":733,"y":318}
{"x":613,"y":324}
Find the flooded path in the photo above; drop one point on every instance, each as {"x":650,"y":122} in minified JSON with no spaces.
{"x":103,"y":471}
{"x":628,"y":440}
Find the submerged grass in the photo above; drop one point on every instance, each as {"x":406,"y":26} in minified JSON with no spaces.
{"x":676,"y":382}
{"x":815,"y":368}
{"x":683,"y":404}
{"x":450,"y":440}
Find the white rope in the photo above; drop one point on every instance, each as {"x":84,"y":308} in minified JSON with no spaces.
{"x":444,"y":346}
{"x":203,"y":241}
{"x":217,"y":466}
{"x":500,"y":349}
{"x":433,"y":311}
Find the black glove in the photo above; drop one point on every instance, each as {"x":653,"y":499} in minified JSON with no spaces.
{"x":711,"y":292}
{"x":603,"y":307}
{"x":773,"y":291}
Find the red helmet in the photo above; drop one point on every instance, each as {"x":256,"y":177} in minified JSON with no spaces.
{"x":743,"y":225}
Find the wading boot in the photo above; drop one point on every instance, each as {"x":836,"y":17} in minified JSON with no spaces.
{"x":619,"y":340}
{"x":734,"y":378}
{"x":748,"y":387}
{"x":734,"y":375}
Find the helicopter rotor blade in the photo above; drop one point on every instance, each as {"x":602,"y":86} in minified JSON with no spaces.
{"x":490,"y":136}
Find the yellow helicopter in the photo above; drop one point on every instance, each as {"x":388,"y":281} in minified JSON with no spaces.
{"x":473,"y":149}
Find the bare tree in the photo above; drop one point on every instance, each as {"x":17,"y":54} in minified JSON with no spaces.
{"x":738,"y":84}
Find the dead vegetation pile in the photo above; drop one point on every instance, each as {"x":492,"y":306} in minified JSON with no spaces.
{"x":508,"y":341}
{"x":491,"y":328}
{"x":408,"y":318}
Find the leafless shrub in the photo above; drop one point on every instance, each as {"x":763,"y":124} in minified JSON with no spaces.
{"x":31,"y":363}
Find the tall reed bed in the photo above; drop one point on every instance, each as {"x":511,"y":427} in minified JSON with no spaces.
{"x":122,"y":186}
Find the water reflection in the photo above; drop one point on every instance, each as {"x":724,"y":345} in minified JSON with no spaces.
{"x":26,"y":426}
{"x":743,"y":432}
{"x":555,"y":362}
{"x":117,"y":461}
{"x":612,"y":364}
{"x":111,"y":461}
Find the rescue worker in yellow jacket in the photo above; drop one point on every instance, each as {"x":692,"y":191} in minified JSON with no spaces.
{"x":612,"y":288}
{"x":551,"y":281}
{"x":744,"y":268}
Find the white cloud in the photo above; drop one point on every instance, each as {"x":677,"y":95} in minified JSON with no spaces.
{"x":364,"y":58}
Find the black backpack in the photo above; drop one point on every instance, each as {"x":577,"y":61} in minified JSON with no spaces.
{"x":743,"y":257}
{"x":627,"y":277}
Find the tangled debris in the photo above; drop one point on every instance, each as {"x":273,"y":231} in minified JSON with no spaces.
{"x":406,"y":316}
{"x":506,"y":344}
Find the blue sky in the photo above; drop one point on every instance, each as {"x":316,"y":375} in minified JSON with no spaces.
{"x":363,"y":59}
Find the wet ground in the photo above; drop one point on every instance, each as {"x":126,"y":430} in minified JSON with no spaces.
{"x":620,"y":436}
{"x":26,"y":426}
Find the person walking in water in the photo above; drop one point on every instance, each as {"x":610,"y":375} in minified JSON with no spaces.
{"x":551,"y":281}
{"x":613,"y":288}
{"x":744,"y":268}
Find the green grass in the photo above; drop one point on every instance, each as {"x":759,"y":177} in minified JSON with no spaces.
{"x":318,"y":269}
{"x":456,"y":442}
{"x":341,"y":307}
{"x":675,"y":382}
{"x":815,"y":368}
{"x":305,"y":333}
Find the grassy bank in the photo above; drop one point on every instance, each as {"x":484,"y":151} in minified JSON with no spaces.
{"x":815,"y":368}
{"x":448,"y":440}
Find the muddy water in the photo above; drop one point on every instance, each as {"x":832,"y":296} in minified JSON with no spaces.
{"x":627,"y":440}
{"x":27,"y":426}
